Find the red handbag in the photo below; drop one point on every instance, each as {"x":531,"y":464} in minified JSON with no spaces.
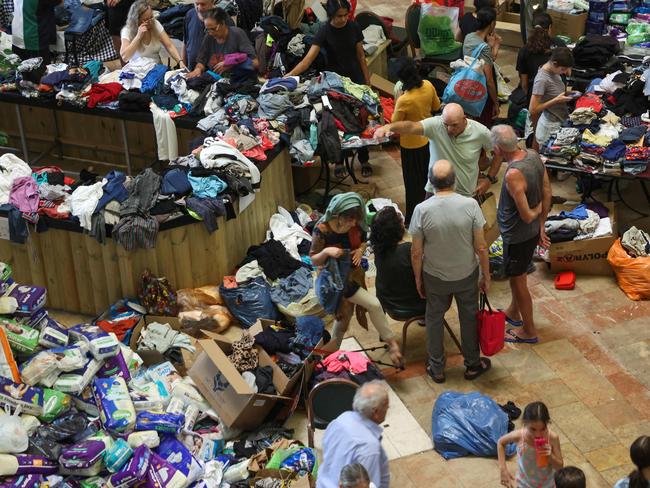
{"x":491,"y":327}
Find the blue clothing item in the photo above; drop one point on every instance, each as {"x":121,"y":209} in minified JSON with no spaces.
{"x":193,"y":36}
{"x":353,"y":438}
{"x":208,"y":209}
{"x":175,"y":182}
{"x":330,"y":283}
{"x":114,"y":189}
{"x":292,"y":288}
{"x":309,"y":330}
{"x":243,"y":72}
{"x":94,"y":67}
{"x":151,"y":81}
{"x":279,"y":84}
{"x":578,"y":213}
{"x":325,"y":82}
{"x":615,"y":151}
{"x":625,"y":483}
{"x":206,"y":187}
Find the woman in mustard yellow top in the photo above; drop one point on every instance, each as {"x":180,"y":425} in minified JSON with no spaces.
{"x":418,"y":100}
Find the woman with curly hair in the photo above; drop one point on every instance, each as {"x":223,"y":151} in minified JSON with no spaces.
{"x":143,"y":36}
{"x":395,"y":281}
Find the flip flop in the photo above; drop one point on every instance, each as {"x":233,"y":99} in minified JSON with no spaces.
{"x":513,"y":338}
{"x":472,"y":374}
{"x":436,"y":378}
{"x":512,"y":322}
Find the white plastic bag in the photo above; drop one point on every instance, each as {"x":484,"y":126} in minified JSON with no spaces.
{"x":13,"y":436}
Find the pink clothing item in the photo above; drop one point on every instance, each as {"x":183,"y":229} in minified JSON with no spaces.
{"x":234,"y":59}
{"x":24,"y":194}
{"x":353,"y":362}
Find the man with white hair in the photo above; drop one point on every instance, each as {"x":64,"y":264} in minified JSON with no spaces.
{"x":523,"y":207}
{"x":454,"y":137}
{"x":355,"y":437}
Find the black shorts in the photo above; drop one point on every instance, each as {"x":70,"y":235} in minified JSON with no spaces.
{"x":116,"y":16}
{"x":517,"y":257}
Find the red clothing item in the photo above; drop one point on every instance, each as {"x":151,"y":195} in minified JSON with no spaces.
{"x":590,"y":100}
{"x":388,"y":104}
{"x":103,"y":93}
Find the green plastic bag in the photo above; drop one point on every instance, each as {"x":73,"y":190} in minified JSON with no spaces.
{"x":437,"y":29}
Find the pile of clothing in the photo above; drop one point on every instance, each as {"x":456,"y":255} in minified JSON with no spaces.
{"x":607,"y":131}
{"x":636,"y":242}
{"x":583,"y":222}
{"x":204,"y":185}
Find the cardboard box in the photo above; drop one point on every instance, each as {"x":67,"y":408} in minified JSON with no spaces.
{"x":150,"y":358}
{"x":584,"y":257}
{"x":226,"y":390}
{"x":570,"y":25}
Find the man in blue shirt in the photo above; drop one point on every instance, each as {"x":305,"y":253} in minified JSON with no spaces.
{"x":355,"y":437}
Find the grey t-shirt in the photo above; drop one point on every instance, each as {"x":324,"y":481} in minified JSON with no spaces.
{"x":446,"y":224}
{"x":549,"y":85}
{"x":513,"y":229}
{"x":212,"y":53}
{"x":472,"y":41}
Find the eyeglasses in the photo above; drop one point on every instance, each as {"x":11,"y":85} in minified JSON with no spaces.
{"x":217,"y":28}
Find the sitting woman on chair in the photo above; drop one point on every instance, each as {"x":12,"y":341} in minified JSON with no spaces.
{"x":395,"y":282}
{"x":340,"y":234}
{"x":144,"y":37}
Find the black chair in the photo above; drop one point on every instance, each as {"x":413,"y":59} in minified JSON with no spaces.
{"x":408,"y":318}
{"x":412,"y":21}
{"x":326,"y":401}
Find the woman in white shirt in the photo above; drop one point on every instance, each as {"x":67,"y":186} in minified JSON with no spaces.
{"x":144,"y":37}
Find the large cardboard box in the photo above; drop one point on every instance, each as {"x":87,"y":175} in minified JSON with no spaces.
{"x":584,"y":257}
{"x":570,"y":25}
{"x":151,"y":357}
{"x":225,"y":389}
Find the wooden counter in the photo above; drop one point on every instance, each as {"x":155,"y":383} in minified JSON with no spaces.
{"x":84,"y":276}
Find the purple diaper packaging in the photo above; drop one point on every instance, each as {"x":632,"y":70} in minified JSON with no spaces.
{"x":85,"y":402}
{"x":52,"y":334}
{"x":114,"y":403}
{"x":115,"y":366}
{"x":100,"y":344}
{"x":34,"y":320}
{"x":28,"y":398}
{"x":165,"y":423}
{"x":26,"y":464}
{"x":134,"y":471}
{"x":82,"y":455}
{"x":180,"y":457}
{"x":23,"y":481}
{"x":29,"y":298}
{"x":162,"y":474}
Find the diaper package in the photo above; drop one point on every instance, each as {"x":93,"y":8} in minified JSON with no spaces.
{"x":205,"y":447}
{"x":29,"y":298}
{"x":85,"y":401}
{"x":92,"y":482}
{"x":79,"y":379}
{"x":32,"y":320}
{"x":30,"y":423}
{"x":21,"y":464}
{"x":83,"y":455}
{"x":132,"y":359}
{"x":149,"y":438}
{"x":115,"y":366}
{"x":162,"y":422}
{"x":162,"y":474}
{"x":117,"y":455}
{"x":52,"y":334}
{"x":8,"y":366}
{"x":28,"y":398}
{"x":180,"y":457}
{"x":134,"y":471}
{"x":150,"y":396}
{"x":54,"y":404}
{"x":22,"y":338}
{"x":71,"y":358}
{"x":40,"y":366}
{"x":114,"y":403}
{"x":100,"y":344}
{"x":23,"y":481}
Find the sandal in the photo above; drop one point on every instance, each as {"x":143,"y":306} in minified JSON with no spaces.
{"x":513,"y":338}
{"x":340,"y":172}
{"x":366,"y":170}
{"x":472,"y":374}
{"x":512,"y":322}
{"x":437,"y":378}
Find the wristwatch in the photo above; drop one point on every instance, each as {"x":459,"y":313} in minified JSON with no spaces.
{"x":492,"y":179}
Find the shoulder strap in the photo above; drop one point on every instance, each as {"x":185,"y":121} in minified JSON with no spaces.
{"x":476,"y":52}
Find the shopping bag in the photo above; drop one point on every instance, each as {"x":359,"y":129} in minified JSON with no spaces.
{"x":437,"y":29}
{"x":491,"y":327}
{"x":632,"y":274}
{"x":468,"y":88}
{"x":157,"y":295}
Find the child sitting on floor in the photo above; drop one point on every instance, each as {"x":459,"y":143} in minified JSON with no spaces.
{"x":538,"y":451}
{"x":570,"y":477}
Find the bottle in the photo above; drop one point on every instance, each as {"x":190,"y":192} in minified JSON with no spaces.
{"x":541,"y":456}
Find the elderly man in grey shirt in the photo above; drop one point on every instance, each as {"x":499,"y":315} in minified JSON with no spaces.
{"x":447,"y":232}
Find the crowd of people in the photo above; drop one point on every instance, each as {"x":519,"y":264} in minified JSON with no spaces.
{"x":448,"y":160}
